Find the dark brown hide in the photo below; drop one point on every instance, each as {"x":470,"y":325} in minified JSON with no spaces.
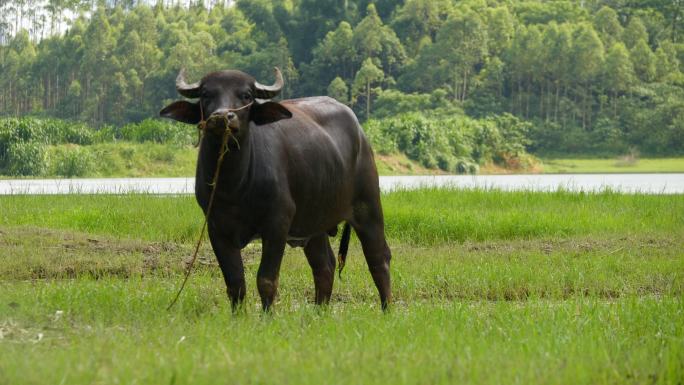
{"x":300,"y":167}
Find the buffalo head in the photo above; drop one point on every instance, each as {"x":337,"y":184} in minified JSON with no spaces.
{"x":227,"y":100}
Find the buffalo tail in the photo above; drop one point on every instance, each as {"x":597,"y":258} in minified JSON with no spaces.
{"x":344,"y":247}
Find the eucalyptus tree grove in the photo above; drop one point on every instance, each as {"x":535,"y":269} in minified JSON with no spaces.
{"x":590,"y":76}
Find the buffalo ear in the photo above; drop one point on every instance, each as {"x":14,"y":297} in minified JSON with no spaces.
{"x":182,"y":111}
{"x":269,"y":112}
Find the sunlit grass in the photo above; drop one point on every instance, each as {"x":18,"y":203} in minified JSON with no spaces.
{"x":430,"y":216}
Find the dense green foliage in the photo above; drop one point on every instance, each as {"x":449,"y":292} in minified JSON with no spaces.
{"x":597,"y":76}
{"x":39,"y":147}
{"x":453,"y":144}
{"x":42,"y":147}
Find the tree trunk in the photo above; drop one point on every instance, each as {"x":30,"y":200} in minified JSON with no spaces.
{"x":16,"y":20}
{"x":55,"y":100}
{"x":46,"y":92}
{"x":465,"y":84}
{"x":527,"y":100}
{"x":455,"y":88}
{"x":367,"y":99}
{"x":541,"y":100}
{"x":520,"y":96}
{"x":675,"y":16}
{"x":555,"y":114}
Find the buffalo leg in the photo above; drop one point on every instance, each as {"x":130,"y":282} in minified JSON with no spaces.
{"x":369,"y":226}
{"x":230,"y":261}
{"x":269,"y":270}
{"x":322,"y":261}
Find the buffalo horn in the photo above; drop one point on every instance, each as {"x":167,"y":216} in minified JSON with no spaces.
{"x":267,"y":92}
{"x":185,"y":89}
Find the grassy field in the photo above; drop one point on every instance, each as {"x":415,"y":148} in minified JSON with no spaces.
{"x":615,"y":165}
{"x":490,"y":287}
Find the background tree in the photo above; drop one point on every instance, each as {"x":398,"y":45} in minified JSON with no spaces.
{"x":337,"y":89}
{"x":587,"y":62}
{"x":644,"y":61}
{"x":608,"y":26}
{"x":418,"y":21}
{"x":635,"y":32}
{"x":461,"y":44}
{"x":618,"y":74}
{"x":365,"y":78}
{"x":372,"y":39}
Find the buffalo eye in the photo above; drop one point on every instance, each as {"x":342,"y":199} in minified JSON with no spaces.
{"x":246,"y":97}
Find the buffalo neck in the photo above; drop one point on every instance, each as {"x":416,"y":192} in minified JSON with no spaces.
{"x":235,"y":167}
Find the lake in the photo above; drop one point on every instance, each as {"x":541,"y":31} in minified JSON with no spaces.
{"x":624,"y":183}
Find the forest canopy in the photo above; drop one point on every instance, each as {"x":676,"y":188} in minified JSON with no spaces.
{"x":590,"y":77}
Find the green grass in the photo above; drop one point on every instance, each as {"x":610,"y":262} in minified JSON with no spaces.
{"x":423,"y":217}
{"x":579,"y":341}
{"x":490,"y":287}
{"x":615,"y":165}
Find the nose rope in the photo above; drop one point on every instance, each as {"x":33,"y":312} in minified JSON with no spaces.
{"x":202,"y":125}
{"x":223,"y":150}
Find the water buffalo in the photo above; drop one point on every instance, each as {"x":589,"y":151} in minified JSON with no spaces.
{"x":295,"y":170}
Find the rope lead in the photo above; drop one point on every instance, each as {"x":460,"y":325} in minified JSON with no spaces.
{"x":222,"y":152}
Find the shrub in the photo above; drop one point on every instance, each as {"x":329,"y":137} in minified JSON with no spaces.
{"x":25,"y":159}
{"x":427,"y":141}
{"x":64,"y":131}
{"x":158,"y":131}
{"x":382,"y":142}
{"x":23,"y":143}
{"x":455,"y":143}
{"x":71,"y":161}
{"x":47,"y":131}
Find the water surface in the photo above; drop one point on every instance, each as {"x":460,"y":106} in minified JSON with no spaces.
{"x":625,"y":183}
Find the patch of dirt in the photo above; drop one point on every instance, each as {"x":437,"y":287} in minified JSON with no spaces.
{"x":578,"y":246}
{"x":39,"y":253}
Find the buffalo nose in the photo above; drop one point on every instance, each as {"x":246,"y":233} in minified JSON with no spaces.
{"x":231,"y":115}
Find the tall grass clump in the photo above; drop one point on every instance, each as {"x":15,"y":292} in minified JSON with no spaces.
{"x":72,"y":161}
{"x":24,"y":158}
{"x":150,"y":130}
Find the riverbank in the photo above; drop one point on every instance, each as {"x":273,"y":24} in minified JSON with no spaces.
{"x":154,"y":160}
